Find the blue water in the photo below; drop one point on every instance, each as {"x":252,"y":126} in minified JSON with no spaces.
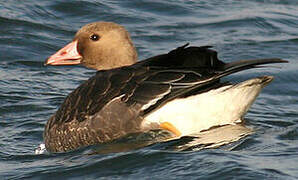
{"x":30,"y":93}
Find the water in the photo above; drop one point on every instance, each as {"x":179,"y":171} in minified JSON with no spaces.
{"x":29,"y":92}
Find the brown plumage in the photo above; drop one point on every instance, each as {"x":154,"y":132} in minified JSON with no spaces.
{"x":116,"y":101}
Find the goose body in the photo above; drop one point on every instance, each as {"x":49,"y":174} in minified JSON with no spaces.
{"x":180,"y":91}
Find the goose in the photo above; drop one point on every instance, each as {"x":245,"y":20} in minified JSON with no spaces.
{"x":181,"y":91}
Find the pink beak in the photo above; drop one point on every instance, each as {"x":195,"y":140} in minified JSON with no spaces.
{"x":68,"y":55}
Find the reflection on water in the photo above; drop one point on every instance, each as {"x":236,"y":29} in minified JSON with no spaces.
{"x":216,"y":137}
{"x":212,"y":138}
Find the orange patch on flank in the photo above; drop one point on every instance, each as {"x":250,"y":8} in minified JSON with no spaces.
{"x":168,"y":126}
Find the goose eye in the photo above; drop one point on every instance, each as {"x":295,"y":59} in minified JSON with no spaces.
{"x":94,"y":37}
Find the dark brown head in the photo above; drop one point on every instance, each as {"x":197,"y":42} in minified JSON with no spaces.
{"x":98,"y":45}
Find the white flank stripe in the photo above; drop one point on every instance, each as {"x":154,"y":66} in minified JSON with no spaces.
{"x":225,"y":105}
